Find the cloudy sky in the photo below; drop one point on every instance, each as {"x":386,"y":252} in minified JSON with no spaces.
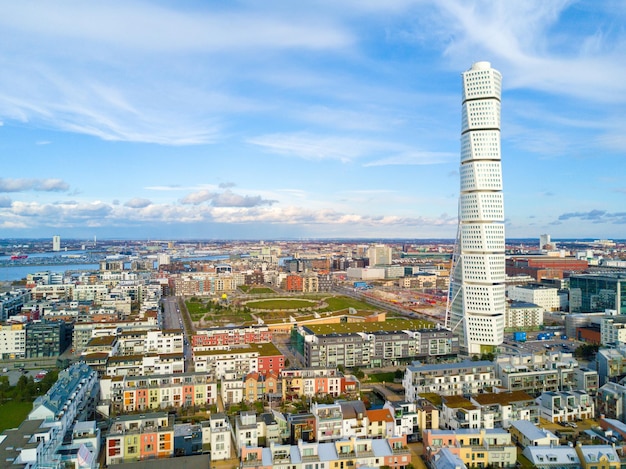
{"x":309,"y":119}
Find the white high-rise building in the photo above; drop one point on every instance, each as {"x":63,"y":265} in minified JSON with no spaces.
{"x":379,"y":254}
{"x":477,"y":287}
{"x":544,"y":241}
{"x":56,"y":243}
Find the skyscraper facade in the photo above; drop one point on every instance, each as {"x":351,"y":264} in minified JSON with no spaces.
{"x":477,"y":287}
{"x":56,"y":243}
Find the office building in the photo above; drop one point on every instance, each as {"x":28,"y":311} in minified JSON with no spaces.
{"x":591,"y":293}
{"x":545,"y":242}
{"x":379,"y":254}
{"x":477,"y":300}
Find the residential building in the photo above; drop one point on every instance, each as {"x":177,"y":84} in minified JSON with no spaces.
{"x":372,"y":344}
{"x":11,"y":302}
{"x":71,"y":398}
{"x":309,"y":382}
{"x":448,"y":379}
{"x":577,"y":457}
{"x":566,"y":406}
{"x":246,"y":433}
{"x":525,"y":433}
{"x":475,"y":447}
{"x":139,"y":437}
{"x":232,"y":335}
{"x":374,"y":453}
{"x":155,"y":392}
{"x":500,"y":409}
{"x":262,"y":358}
{"x":537,"y":372}
{"x":381,"y":423}
{"x":12,"y":341}
{"x":611,"y":401}
{"x":220,"y":437}
{"x":613,"y":330}
{"x":523,"y":315}
{"x":46,"y":338}
{"x":611,"y":364}
{"x":187,"y":439}
{"x":477,"y":282}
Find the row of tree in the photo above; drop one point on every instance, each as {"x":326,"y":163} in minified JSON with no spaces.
{"x":26,"y":389}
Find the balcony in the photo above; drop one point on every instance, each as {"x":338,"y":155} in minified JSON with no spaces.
{"x":398,"y":451}
{"x":251,"y":463}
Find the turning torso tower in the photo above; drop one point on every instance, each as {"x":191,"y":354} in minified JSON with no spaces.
{"x":477,"y":299}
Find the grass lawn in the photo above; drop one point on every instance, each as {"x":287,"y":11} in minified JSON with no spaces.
{"x":381,"y":377}
{"x":260,"y":290}
{"x":281,"y":304}
{"x":337,"y":303}
{"x":13,"y":413}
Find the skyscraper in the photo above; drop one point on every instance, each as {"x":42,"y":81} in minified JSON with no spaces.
{"x":56,"y":243}
{"x":477,"y":298}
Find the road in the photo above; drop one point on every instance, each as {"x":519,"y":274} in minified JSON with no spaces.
{"x":172,"y":319}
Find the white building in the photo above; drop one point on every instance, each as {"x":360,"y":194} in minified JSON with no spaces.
{"x":565,"y":406}
{"x":12,"y":341}
{"x":613,"y":330}
{"x":56,"y":243}
{"x":379,"y":254}
{"x":478,"y":274}
{"x":541,"y":295}
{"x":449,"y":379}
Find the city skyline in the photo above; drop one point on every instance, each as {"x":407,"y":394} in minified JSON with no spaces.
{"x":155,"y":120}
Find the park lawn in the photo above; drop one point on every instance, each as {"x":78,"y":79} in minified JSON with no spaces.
{"x":13,"y":413}
{"x":337,"y":303}
{"x":280,"y":304}
{"x":260,"y":290}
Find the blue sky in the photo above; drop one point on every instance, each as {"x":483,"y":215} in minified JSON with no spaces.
{"x":312,"y":119}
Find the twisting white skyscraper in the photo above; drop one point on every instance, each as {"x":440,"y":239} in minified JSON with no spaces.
{"x":477,"y":298}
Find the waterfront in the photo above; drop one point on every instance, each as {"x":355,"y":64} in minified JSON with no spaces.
{"x":12,"y":274}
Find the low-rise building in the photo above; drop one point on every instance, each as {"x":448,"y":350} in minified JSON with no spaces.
{"x":475,"y":447}
{"x":139,"y":437}
{"x":449,"y":379}
{"x":565,"y":406}
{"x":525,"y":433}
{"x":154,"y":392}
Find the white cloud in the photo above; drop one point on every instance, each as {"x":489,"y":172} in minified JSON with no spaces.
{"x":40,"y":185}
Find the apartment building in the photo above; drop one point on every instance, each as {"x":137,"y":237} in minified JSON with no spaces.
{"x":500,"y":409}
{"x":475,"y":447}
{"x":579,"y":456}
{"x":535,"y":373}
{"x":71,"y":398}
{"x":148,"y":364}
{"x":566,"y":406}
{"x":260,"y":358}
{"x":372,"y":344}
{"x":449,"y":379}
{"x":232,"y":335}
{"x":309,"y":382}
{"x":413,"y":417}
{"x":611,"y":401}
{"x":139,"y":437}
{"x":392,"y":452}
{"x":522,"y":315}
{"x":154,"y":392}
{"x":11,"y":302}
{"x":219,"y":436}
{"x":12,"y":341}
{"x":611,"y":364}
{"x":613,"y":330}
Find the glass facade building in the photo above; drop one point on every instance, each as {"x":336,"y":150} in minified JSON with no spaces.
{"x":596,"y":293}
